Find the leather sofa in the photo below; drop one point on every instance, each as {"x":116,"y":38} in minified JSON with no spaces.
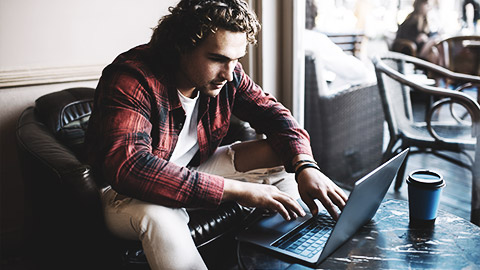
{"x":67,"y":227}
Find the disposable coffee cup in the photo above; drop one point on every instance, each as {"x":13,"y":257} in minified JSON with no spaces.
{"x":424,"y":190}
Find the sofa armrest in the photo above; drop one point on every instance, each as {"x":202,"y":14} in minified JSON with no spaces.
{"x":64,"y":168}
{"x":65,"y":202}
{"x":59,"y":185}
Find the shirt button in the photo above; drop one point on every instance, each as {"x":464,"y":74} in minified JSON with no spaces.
{"x":180,"y":125}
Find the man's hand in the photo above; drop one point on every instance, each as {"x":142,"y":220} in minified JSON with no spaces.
{"x":312,"y":184}
{"x":264,"y":196}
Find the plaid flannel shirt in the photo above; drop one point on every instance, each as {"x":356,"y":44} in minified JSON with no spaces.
{"x":137,"y":118}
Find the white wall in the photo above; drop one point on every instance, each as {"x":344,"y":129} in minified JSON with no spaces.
{"x":53,"y":33}
{"x":41,"y":40}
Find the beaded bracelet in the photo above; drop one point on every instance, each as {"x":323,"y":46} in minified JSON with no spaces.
{"x":303,"y":167}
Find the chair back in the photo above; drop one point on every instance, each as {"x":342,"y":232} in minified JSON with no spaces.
{"x":398,"y":77}
{"x":395,"y":97}
{"x":404,"y":46}
{"x":461,"y":54}
{"x":345,"y":127}
{"x":394,"y":82}
{"x":350,"y":43}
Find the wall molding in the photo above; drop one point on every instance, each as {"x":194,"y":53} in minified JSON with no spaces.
{"x":49,"y":75}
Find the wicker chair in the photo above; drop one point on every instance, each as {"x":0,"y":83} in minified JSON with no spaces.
{"x":435,"y":133}
{"x":345,"y":127}
{"x":404,"y":46}
{"x":461,"y":54}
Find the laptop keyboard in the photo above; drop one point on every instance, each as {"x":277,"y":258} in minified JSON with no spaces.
{"x":308,"y":239}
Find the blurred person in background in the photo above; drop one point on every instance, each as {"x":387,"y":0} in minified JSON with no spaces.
{"x":470,"y":15}
{"x":416,"y":28}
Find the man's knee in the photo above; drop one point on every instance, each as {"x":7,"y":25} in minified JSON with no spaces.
{"x":161,"y":220}
{"x":166,"y":239}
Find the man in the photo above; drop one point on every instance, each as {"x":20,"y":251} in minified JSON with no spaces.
{"x":160,"y":112}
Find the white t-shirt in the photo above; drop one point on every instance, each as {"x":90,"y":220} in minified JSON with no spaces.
{"x":187,"y":144}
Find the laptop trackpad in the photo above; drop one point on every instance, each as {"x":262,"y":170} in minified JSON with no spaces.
{"x":272,"y":226}
{"x":276,"y":225}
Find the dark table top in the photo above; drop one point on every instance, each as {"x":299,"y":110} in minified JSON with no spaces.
{"x":387,"y":242}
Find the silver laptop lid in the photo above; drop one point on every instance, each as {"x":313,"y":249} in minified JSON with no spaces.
{"x":363,"y":203}
{"x":361,"y":206}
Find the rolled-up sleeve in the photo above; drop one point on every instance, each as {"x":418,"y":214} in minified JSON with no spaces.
{"x":271,"y":118}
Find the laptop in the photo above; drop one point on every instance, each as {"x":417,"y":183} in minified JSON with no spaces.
{"x":311,"y":239}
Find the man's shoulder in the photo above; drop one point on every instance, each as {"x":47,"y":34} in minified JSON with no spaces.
{"x":136,"y":58}
{"x":137,"y":64}
{"x":132,"y":69}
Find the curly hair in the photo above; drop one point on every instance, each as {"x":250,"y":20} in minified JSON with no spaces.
{"x":191,"y":21}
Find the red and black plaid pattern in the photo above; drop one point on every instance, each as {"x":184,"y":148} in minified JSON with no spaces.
{"x":136,"y":120}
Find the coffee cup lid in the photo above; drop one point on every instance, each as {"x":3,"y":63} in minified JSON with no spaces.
{"x":426,"y":179}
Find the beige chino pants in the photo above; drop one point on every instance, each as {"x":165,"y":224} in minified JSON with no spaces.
{"x":164,"y":231}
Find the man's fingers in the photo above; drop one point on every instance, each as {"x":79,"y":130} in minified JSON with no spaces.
{"x":343,"y":195}
{"x":324,"y":197}
{"x":331,"y":209}
{"x":292,"y":208}
{"x":331,"y":198}
{"x":310,"y":203}
{"x":315,"y":185}
{"x":270,"y":197}
{"x":277,"y":206}
{"x":338,"y":199}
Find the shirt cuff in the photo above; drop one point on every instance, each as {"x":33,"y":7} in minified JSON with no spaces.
{"x":210,"y":190}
